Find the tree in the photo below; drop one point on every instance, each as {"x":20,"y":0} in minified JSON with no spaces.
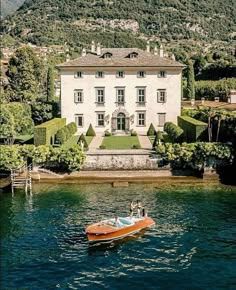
{"x":50,"y":84}
{"x":190,"y":81}
{"x":25,"y":75}
{"x":151,"y":130}
{"x":7,"y":125}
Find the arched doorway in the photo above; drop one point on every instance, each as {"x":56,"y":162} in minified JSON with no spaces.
{"x":121,"y":122}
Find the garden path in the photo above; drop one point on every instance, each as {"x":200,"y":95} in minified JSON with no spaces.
{"x":95,"y":143}
{"x":145,"y":142}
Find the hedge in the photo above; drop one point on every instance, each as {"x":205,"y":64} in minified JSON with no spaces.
{"x":44,"y":133}
{"x":14,"y":157}
{"x":65,"y":133}
{"x":175,"y":132}
{"x":90,"y":131}
{"x":151,"y":130}
{"x":194,"y":130}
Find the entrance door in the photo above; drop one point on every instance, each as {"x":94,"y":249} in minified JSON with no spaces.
{"x":121,"y":122}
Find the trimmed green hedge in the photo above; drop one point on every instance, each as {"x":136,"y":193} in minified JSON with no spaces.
{"x":151,"y":130}
{"x":65,"y":133}
{"x":194,"y":130}
{"x":90,"y":131}
{"x":175,"y":132}
{"x":44,"y":133}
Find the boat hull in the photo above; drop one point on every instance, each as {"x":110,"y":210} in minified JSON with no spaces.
{"x":112,"y":233}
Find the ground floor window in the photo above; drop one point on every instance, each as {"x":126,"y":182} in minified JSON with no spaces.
{"x":141,"y":117}
{"x":79,"y":120}
{"x":161,"y":119}
{"x":100,"y":119}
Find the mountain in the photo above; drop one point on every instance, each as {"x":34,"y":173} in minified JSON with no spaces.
{"x":123,"y":23}
{"x":9,"y":6}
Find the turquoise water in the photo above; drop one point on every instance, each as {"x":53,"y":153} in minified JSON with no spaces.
{"x":192,"y":245}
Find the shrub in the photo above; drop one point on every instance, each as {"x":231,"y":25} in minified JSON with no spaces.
{"x":72,"y":128}
{"x":174,"y":131}
{"x":44,"y":133}
{"x":158,"y":139}
{"x":136,"y":146}
{"x":107,"y":133}
{"x":90,"y":131}
{"x":61,"y":136}
{"x":102,"y":147}
{"x":15,"y":156}
{"x":83,"y":139}
{"x":133,"y":133}
{"x":194,"y":130}
{"x":195,"y":155}
{"x":151,"y":130}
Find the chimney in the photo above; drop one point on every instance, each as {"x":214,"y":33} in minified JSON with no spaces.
{"x":161,"y":51}
{"x":148,"y":46}
{"x":98,"y":48}
{"x":83,"y":52}
{"x":155,"y":50}
{"x":93,"y":46}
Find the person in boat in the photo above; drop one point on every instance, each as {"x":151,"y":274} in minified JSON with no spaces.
{"x":144,"y":212}
{"x":117,"y":222}
{"x":132,"y":207}
{"x":139,"y":207}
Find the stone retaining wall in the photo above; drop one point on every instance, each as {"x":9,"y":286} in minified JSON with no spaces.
{"x":113,"y":161}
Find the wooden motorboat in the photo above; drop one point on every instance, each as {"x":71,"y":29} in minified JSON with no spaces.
{"x":116,"y":228}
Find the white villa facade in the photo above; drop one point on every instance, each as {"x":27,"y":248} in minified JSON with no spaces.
{"x":120,"y":89}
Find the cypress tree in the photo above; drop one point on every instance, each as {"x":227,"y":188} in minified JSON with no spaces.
{"x":190,"y":81}
{"x":50,"y":84}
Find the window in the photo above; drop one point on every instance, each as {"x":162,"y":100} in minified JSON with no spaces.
{"x":141,"y":74}
{"x":100,"y":119}
{"x":79,"y":120}
{"x":141,"y":118}
{"x":100,"y":74}
{"x":78,"y":74}
{"x":78,"y":96}
{"x":161,"y":119}
{"x":161,"y":96}
{"x":141,"y":95}
{"x":100,"y":95}
{"x":133,"y":55}
{"x":107,"y":55}
{"x":120,"y":95}
{"x":162,"y":74}
{"x":120,"y":74}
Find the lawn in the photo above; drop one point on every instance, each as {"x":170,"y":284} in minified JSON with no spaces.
{"x":120,"y":142}
{"x":74,"y":139}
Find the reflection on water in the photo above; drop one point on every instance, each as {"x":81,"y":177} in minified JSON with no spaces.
{"x":190,"y":247}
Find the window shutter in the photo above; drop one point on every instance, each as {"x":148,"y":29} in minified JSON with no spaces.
{"x":158,"y":96}
{"x":159,"y":74}
{"x":165,"y":96}
{"x":75,"y":97}
{"x":75,"y":75}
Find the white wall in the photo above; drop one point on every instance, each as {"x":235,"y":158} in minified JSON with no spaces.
{"x":172,"y":84}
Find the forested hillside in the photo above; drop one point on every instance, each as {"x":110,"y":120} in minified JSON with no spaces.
{"x":9,"y":6}
{"x":122,"y":22}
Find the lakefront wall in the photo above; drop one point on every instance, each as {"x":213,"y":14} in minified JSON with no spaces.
{"x":88,"y":109}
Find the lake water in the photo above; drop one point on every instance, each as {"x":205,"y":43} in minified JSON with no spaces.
{"x":192,"y":245}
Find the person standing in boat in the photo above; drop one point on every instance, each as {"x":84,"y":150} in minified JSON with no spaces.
{"x":132,"y":207}
{"x":139,"y":207}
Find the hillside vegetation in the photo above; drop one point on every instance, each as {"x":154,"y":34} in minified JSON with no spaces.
{"x":120,"y":23}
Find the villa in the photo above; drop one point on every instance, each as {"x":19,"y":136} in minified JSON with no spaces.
{"x":121,"y":89}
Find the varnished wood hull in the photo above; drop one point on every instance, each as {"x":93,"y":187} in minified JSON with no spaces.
{"x":100,"y":233}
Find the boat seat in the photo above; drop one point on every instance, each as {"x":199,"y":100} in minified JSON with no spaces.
{"x":126,"y":221}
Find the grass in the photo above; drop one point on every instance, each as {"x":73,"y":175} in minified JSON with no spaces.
{"x":120,"y":142}
{"x":74,"y":139}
